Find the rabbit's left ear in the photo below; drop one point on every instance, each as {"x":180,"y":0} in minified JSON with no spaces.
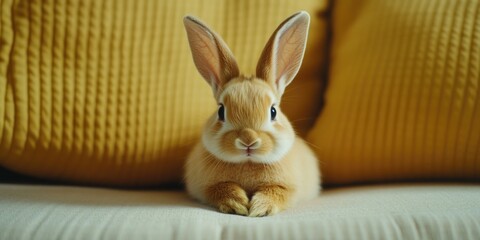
{"x":282,"y":56}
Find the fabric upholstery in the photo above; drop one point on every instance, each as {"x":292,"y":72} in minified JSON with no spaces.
{"x":105,"y":91}
{"x":403,"y":97}
{"x":418,"y":211}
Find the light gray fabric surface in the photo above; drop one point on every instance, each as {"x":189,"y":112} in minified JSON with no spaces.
{"x":409,"y":211}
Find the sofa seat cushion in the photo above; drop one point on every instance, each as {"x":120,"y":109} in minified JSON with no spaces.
{"x":406,"y":211}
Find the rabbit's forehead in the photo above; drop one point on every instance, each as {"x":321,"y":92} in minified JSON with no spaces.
{"x":245,"y":91}
{"x":248,"y":102}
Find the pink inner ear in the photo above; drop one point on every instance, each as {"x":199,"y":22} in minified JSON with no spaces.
{"x":211,"y":55}
{"x":204,"y":52}
{"x":282,"y":57}
{"x":290,"y":45}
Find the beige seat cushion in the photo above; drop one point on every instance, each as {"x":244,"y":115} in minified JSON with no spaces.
{"x":417,"y":211}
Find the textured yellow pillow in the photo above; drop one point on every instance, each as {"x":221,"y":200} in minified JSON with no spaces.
{"x":403,"y":98}
{"x":105,"y":91}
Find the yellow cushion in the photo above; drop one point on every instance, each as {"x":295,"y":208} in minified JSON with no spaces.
{"x":403,"y":99}
{"x":106,"y":91}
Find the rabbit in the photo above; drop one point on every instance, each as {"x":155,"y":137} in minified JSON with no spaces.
{"x":249,"y":160}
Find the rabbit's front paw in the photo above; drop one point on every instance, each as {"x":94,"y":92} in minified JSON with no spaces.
{"x":229,"y":197}
{"x":261,"y":205}
{"x":235,"y":206}
{"x":268,"y":200}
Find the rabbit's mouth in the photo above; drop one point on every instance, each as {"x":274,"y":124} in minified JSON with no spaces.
{"x":249,"y":151}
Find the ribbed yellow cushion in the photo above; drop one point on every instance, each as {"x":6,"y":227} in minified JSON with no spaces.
{"x":403,"y":99}
{"x":105,"y":91}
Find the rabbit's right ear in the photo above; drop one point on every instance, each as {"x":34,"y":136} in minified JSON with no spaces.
{"x":212,"y":57}
{"x":282,"y":56}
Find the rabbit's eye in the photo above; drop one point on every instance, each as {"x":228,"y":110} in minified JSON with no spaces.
{"x":221,"y":113}
{"x":273,"y":113}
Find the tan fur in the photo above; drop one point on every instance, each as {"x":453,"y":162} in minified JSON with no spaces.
{"x":248,"y":136}
{"x":297,"y":174}
{"x":247,"y":106}
{"x":211,"y":46}
{"x":269,"y":199}
{"x":293,"y":39}
{"x":229,"y":197}
{"x":228,"y":141}
{"x":246,"y":103}
{"x":249,"y":164}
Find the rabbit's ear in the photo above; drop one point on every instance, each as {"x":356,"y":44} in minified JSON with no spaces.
{"x":282,"y":57}
{"x":212,"y":57}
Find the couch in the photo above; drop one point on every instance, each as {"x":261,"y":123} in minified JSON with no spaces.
{"x":382,"y":211}
{"x":100,"y":103}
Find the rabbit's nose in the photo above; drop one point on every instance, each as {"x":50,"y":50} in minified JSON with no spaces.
{"x":247,"y":138}
{"x":249,"y":145}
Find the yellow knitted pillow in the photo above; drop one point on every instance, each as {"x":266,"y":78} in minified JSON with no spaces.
{"x":105,"y":91}
{"x":403,"y":99}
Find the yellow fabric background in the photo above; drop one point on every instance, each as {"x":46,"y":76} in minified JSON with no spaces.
{"x":105,"y":91}
{"x":403,"y":98}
